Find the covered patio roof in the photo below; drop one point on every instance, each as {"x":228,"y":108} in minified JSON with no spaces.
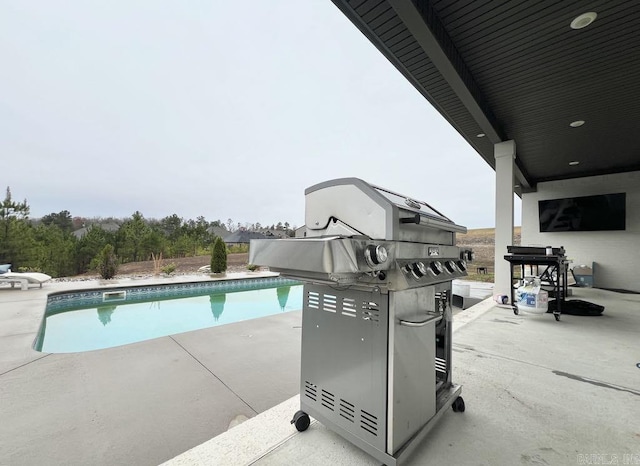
{"x":518,"y":70}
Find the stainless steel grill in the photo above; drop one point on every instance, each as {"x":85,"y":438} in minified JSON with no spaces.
{"x":376,"y":322}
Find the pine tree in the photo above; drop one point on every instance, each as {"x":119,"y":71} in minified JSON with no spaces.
{"x":219,"y":256}
{"x":106,"y":262}
{"x":12,"y":214}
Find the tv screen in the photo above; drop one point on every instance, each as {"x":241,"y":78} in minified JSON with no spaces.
{"x":586,"y":213}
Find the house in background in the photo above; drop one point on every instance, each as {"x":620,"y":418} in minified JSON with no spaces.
{"x":218,"y":231}
{"x":241,"y":237}
{"x":111,"y":227}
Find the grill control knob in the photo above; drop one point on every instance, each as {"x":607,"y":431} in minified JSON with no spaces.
{"x":450,"y":266}
{"x":418,"y":270}
{"x":436,"y":267}
{"x":462,"y":265}
{"x":375,"y":255}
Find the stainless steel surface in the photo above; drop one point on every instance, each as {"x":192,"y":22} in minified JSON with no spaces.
{"x":422,"y":323}
{"x":344,"y":261}
{"x":412,"y":377}
{"x":355,"y":230}
{"x":344,"y":352}
{"x":375,"y":212}
{"x":328,"y":255}
{"x":358,"y":352}
{"x":444,"y":399}
{"x":376,"y":321}
{"x":414,"y":381}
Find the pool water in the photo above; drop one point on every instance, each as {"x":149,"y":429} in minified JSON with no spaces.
{"x":113,"y":324}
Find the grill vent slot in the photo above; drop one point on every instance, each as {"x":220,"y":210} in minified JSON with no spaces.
{"x":369,"y":422}
{"x":313,"y":300}
{"x":310,"y":390}
{"x":347,"y":410}
{"x":328,"y":400}
{"x":371,"y":311}
{"x":329,"y":303}
{"x":349,"y":307}
{"x":441,"y":365}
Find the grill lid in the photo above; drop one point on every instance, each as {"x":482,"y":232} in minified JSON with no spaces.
{"x":407,"y":203}
{"x":351,"y":205}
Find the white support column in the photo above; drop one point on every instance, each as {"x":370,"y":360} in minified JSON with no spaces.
{"x":504,"y":153}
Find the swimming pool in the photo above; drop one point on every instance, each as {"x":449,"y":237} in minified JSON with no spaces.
{"x":98,"y":319}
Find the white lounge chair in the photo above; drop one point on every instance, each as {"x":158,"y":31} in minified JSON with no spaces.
{"x":24,"y":279}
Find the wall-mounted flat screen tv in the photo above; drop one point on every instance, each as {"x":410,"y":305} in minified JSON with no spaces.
{"x":586,"y":213}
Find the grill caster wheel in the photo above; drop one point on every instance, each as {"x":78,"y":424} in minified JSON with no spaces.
{"x":458,"y":405}
{"x":301,"y":421}
{"x":557,"y":316}
{"x":515,"y":310}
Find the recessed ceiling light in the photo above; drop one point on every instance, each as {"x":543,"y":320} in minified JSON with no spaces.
{"x":574,"y":163}
{"x":480,"y":135}
{"x":516,"y":185}
{"x":583,"y":20}
{"x":576,"y":124}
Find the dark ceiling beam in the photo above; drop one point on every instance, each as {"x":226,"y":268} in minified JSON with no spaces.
{"x":422,"y":22}
{"x":364,"y":27}
{"x":448,"y":62}
{"x":425,"y":26}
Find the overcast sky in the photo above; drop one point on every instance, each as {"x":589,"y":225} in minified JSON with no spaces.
{"x":224,"y":109}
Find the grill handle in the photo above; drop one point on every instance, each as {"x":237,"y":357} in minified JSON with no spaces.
{"x":422,"y":323}
{"x":415,"y":219}
{"x":426,"y":221}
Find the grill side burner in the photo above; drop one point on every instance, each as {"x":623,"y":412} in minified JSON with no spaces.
{"x":376,"y":318}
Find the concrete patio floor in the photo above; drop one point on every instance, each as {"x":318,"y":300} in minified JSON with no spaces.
{"x":537,"y":392}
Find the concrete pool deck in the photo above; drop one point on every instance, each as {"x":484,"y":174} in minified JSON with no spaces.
{"x":141,"y":403}
{"x":537,"y":392}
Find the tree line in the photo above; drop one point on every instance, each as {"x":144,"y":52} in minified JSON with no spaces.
{"x":49,"y":244}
